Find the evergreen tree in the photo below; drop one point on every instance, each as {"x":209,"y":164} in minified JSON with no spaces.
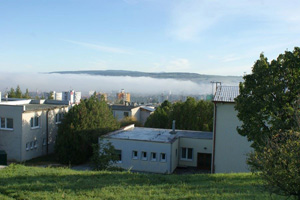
{"x":81,"y":127}
{"x":26,"y":95}
{"x":18,"y":92}
{"x":11,"y":93}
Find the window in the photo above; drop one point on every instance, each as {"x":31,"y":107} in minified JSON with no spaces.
{"x":6,"y":123}
{"x":35,"y":144}
{"x":153,"y":156}
{"x":186,"y":153}
{"x":59,"y":117}
{"x":27,"y":146}
{"x":31,"y":145}
{"x":163,"y":157}
{"x":35,"y":122}
{"x":44,"y":142}
{"x":134,"y":155}
{"x":144,"y":155}
{"x":126,"y":114}
{"x":119,"y":154}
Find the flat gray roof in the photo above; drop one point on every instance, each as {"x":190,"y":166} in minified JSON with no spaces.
{"x":157,"y":135}
{"x":36,"y":107}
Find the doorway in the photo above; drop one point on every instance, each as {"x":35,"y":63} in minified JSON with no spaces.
{"x":204,"y":161}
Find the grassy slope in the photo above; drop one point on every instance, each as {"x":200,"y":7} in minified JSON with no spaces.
{"x":21,"y":182}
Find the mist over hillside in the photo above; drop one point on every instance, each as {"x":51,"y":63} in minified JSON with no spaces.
{"x":187,"y":84}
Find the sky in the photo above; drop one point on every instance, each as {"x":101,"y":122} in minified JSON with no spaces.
{"x":215,"y":37}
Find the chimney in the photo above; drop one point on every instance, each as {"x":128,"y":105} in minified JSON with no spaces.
{"x":173,"y":127}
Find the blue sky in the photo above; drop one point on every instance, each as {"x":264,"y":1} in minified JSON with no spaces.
{"x":201,"y":36}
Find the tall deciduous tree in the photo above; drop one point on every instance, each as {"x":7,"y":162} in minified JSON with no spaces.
{"x":267,"y":97}
{"x":81,"y":127}
{"x":189,"y":115}
{"x":268,"y":106}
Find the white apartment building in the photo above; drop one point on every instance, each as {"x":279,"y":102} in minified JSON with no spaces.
{"x":28,"y":128}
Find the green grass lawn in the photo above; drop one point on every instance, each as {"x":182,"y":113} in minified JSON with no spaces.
{"x":23,"y":182}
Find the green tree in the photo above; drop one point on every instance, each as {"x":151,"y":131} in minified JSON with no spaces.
{"x":160,"y":118}
{"x":18,"y":92}
{"x":268,"y":106}
{"x":267,"y":97}
{"x":189,"y":115}
{"x":104,"y":155}
{"x":11,"y":93}
{"x":81,"y":127}
{"x":51,"y":95}
{"x":278,"y":164}
{"x":26,"y":95}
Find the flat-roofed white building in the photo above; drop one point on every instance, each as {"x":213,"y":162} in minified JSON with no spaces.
{"x":28,"y":128}
{"x":161,"y":150}
{"x":229,"y":148}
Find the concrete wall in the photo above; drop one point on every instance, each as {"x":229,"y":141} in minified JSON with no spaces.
{"x":144,"y":115}
{"x":119,"y":114}
{"x":128,"y":146}
{"x":39,"y":134}
{"x":175,"y":154}
{"x":198,"y":146}
{"x":230,"y":147}
{"x":10,"y":140}
{"x":135,"y":112}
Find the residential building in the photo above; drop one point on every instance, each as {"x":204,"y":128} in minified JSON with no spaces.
{"x":123,"y":97}
{"x":28,"y":128}
{"x":161,"y":150}
{"x":140,"y":113}
{"x":229,"y":148}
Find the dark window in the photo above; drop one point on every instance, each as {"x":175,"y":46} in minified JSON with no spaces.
{"x":119,"y":154}
{"x":9,"y":123}
{"x":186,"y":153}
{"x":126,"y":114}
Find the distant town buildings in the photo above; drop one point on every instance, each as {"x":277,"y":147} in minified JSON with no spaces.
{"x":70,"y":96}
{"x":123,"y":97}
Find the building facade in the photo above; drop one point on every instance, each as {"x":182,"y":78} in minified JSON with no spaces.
{"x":29,"y":127}
{"x":229,"y":148}
{"x":161,"y":150}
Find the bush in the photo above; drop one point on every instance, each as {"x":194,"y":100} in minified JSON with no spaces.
{"x":279,"y":164}
{"x":104,"y":155}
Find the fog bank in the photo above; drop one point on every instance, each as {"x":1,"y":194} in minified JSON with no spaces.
{"x":85,"y":83}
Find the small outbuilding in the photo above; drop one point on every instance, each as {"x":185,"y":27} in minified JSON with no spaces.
{"x":161,"y":150}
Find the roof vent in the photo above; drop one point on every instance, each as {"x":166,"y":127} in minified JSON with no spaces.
{"x":173,"y":128}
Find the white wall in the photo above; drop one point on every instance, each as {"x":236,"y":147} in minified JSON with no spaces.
{"x":14,"y":141}
{"x":128,"y":146}
{"x":198,"y":146}
{"x":230,"y":147}
{"x":10,"y":140}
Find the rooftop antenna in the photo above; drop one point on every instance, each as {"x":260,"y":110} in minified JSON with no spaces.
{"x":212,"y":85}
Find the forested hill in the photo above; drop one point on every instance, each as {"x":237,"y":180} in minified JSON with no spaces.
{"x":162,"y":75}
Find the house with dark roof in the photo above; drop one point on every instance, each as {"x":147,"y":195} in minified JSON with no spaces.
{"x":161,"y":150}
{"x":28,"y":128}
{"x":229,"y":148}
